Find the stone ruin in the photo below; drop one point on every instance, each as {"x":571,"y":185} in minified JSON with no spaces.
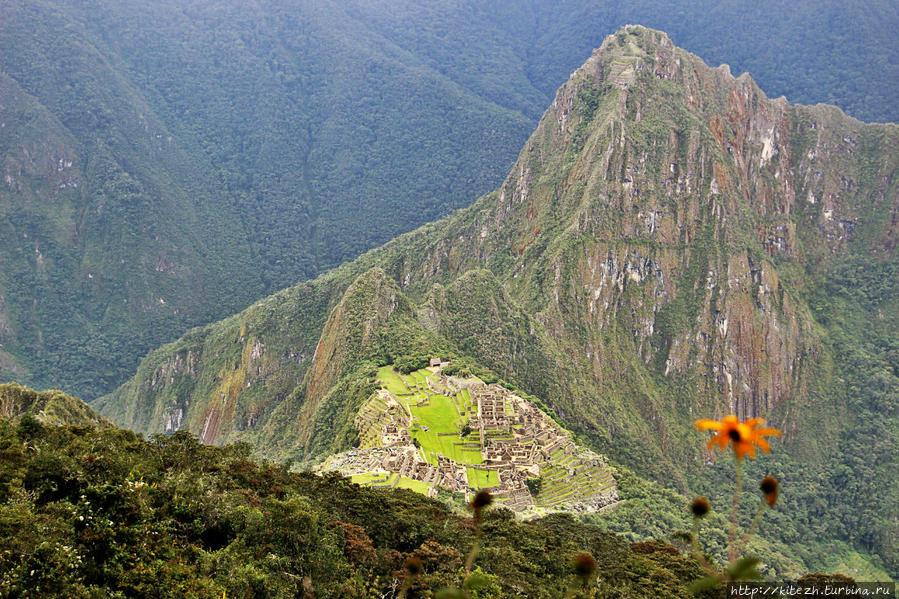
{"x":515,"y":438}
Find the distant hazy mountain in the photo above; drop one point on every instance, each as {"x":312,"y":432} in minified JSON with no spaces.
{"x":165,"y":163}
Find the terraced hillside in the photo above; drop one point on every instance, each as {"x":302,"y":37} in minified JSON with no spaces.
{"x":425,"y":430}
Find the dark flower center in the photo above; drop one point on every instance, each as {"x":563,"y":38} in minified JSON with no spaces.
{"x":700,"y":507}
{"x":414,"y":566}
{"x":584,"y":565}
{"x":734,"y":435}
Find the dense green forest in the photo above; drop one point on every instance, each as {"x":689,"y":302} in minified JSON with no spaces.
{"x":88,"y":513}
{"x":166,"y":163}
{"x":50,"y":407}
{"x":88,"y":509}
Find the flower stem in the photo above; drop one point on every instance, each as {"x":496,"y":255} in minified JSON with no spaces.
{"x":755,"y":524}
{"x":469,"y":562}
{"x":696,"y":548}
{"x":697,"y":551}
{"x":732,"y":549}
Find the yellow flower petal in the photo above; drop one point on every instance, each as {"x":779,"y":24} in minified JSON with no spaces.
{"x":704,"y":424}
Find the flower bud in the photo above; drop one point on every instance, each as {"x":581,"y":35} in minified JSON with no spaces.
{"x":770,"y":488}
{"x":584,"y":566}
{"x":414,"y":566}
{"x":700,"y":507}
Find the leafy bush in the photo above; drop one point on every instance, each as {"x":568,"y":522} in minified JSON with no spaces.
{"x":104,"y":513}
{"x":534,"y":485}
{"x":411,"y":363}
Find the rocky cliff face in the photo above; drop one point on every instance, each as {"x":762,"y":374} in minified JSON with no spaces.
{"x":227,"y":378}
{"x":649,"y":259}
{"x":652,"y":213}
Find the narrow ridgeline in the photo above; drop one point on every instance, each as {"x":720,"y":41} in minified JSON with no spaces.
{"x":51,"y":407}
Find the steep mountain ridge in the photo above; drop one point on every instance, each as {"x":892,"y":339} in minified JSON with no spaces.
{"x":656,"y":254}
{"x":51,"y":407}
{"x":615,"y":233}
{"x":187,"y":149}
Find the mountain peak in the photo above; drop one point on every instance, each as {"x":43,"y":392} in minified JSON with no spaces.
{"x":635,"y":48}
{"x":634,"y":41}
{"x":642,"y":37}
{"x":655,"y":251}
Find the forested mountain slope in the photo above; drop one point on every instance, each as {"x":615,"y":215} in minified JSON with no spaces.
{"x":670,"y":244}
{"x":166,"y":163}
{"x":49,"y":407}
{"x":107,"y":513}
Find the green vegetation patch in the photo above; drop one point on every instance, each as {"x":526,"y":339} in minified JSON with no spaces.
{"x":389,"y":479}
{"x":391,"y":380}
{"x":479,"y":479}
{"x":105,"y":513}
{"x":441,"y":419}
{"x":369,"y":477}
{"x":413,"y":485}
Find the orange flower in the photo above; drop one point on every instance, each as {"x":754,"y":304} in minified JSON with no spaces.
{"x":744,"y":435}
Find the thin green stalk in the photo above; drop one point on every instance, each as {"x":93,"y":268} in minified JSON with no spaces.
{"x":697,"y":551}
{"x":469,"y":561}
{"x":732,"y":552}
{"x":696,"y":547}
{"x":755,"y":524}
